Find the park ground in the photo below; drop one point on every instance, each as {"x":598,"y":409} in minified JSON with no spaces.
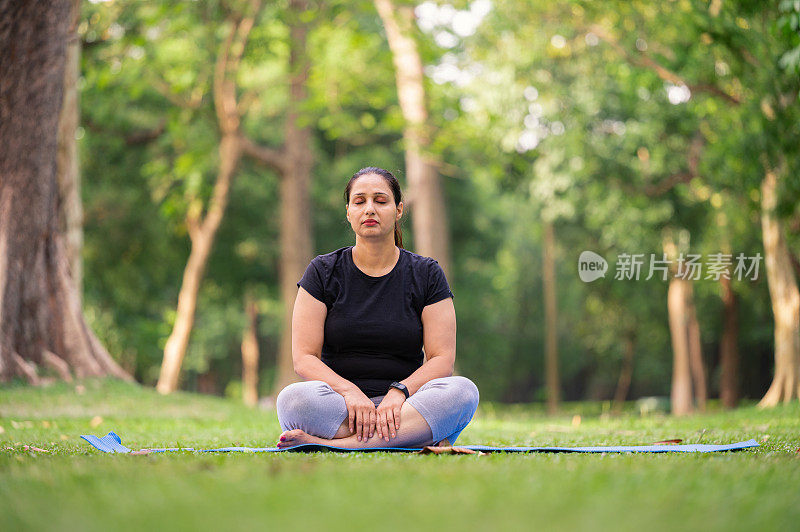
{"x":72,"y":486}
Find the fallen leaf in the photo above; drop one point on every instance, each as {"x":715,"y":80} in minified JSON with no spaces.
{"x":141,"y":451}
{"x":676,"y":441}
{"x":46,"y":424}
{"x":64,"y":437}
{"x":96,"y":421}
{"x":32,"y":448}
{"x":2,"y":430}
{"x":576,"y":420}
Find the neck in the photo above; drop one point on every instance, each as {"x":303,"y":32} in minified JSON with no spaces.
{"x":375,"y":254}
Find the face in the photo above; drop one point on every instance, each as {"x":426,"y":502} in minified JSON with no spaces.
{"x":372,"y":211}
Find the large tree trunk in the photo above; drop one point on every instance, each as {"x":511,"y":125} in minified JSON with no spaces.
{"x":296,"y":223}
{"x":784,"y":297}
{"x":550,"y":320}
{"x":250,"y":354}
{"x":428,"y":208}
{"x":728,"y":347}
{"x":69,"y":179}
{"x":41,"y":322}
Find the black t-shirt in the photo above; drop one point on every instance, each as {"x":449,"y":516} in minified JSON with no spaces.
{"x":373,"y":330}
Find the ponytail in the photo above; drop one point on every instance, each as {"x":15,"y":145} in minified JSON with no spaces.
{"x":398,"y":235}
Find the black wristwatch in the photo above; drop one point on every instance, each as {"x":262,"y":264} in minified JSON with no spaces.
{"x":400,"y":386}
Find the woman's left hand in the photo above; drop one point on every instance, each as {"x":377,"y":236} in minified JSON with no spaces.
{"x":389,"y":414}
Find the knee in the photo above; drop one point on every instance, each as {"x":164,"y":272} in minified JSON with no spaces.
{"x":295,"y":402}
{"x":465,"y":394}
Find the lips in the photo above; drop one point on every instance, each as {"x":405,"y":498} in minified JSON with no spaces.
{"x":371,"y":222}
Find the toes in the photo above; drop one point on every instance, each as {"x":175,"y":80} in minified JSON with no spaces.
{"x":290,"y":438}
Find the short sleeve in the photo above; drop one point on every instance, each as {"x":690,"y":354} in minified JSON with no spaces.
{"x":312,"y":281}
{"x":437,"y":288}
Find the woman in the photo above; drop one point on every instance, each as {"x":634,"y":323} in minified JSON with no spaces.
{"x":361,"y":318}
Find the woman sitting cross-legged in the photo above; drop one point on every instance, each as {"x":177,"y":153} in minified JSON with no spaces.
{"x":361,"y":319}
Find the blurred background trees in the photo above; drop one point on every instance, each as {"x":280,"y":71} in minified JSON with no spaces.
{"x":552,"y":128}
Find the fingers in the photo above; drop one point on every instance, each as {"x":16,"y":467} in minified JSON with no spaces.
{"x":360,"y":424}
{"x":365,"y":423}
{"x":383,"y":426}
{"x":391,"y":430}
{"x":351,"y":415}
{"x":397,"y":418}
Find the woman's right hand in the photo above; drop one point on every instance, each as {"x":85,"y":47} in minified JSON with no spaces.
{"x":361,"y":414}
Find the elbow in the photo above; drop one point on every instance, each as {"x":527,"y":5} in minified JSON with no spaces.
{"x":449,"y":363}
{"x":298,"y":364}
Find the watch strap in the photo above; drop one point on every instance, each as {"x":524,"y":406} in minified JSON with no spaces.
{"x":400,"y":386}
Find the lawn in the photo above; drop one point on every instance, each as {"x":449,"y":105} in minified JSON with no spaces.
{"x":74,"y":486}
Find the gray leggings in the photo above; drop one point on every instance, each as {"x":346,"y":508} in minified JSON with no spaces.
{"x":447,"y":404}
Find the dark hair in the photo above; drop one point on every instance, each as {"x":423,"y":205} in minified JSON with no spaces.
{"x":393,"y":184}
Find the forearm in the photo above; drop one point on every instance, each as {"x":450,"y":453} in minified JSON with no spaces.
{"x":311,"y":368}
{"x":433,"y":368}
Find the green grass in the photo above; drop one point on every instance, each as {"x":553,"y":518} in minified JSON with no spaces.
{"x":74,"y":486}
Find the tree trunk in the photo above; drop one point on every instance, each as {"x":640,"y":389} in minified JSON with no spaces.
{"x":681,"y":395}
{"x":728,"y":347}
{"x":41,"y":322}
{"x":69,"y":179}
{"x":296,"y":222}
{"x":550,"y":320}
{"x":626,"y":372}
{"x":695,"y":350}
{"x":250,"y":354}
{"x":425,"y":196}
{"x":202,"y":232}
{"x":784,"y":297}
{"x":202,"y":237}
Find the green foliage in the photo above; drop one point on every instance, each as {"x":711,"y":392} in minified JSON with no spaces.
{"x":571,"y":112}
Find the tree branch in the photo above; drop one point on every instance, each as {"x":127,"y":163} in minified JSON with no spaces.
{"x":227,"y":66}
{"x":165,"y":90}
{"x":270,"y":157}
{"x":131,"y":139}
{"x":145,"y":136}
{"x":646,"y":61}
{"x":224,"y":90}
{"x":693,"y":162}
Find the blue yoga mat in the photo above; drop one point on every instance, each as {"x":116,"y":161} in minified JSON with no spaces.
{"x":111,"y":443}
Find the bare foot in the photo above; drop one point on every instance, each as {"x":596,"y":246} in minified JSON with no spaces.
{"x":292,"y":438}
